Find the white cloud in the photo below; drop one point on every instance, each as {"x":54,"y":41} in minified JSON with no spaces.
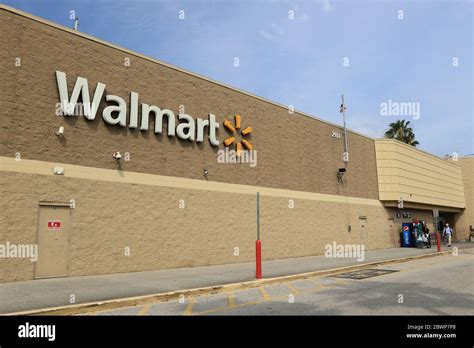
{"x":274,"y":33}
{"x":266,"y":35}
{"x":327,"y":6}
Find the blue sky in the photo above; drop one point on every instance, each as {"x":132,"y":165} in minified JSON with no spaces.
{"x":300,"y":61}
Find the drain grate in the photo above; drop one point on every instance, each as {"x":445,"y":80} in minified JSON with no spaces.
{"x":365,"y":273}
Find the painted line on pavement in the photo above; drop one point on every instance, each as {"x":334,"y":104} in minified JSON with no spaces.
{"x":293,"y":289}
{"x":266,"y":299}
{"x":189,"y":307}
{"x":265,"y":295}
{"x":144,"y":310}
{"x":230,"y":300}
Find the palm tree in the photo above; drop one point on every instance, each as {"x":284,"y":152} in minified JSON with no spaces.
{"x":401,"y":131}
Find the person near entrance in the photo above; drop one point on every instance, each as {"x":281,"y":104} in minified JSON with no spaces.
{"x":447,"y":232}
{"x":426,"y":235}
{"x":418,"y":233}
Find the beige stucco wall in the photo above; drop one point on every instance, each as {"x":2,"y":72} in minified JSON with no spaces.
{"x":295,"y":151}
{"x":466,"y":218}
{"x":115,"y":210}
{"x":416,"y":176}
{"x":136,"y":204}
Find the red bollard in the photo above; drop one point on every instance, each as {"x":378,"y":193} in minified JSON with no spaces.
{"x":438,"y":241}
{"x":258,"y":259}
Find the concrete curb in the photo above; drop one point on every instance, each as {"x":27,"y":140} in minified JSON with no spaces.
{"x":174,"y":295}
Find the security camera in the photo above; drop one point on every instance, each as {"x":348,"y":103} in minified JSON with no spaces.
{"x":60,"y":131}
{"x":341,"y":173}
{"x":117,"y":156}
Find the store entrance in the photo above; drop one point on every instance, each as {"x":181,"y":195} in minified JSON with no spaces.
{"x":445,"y":218}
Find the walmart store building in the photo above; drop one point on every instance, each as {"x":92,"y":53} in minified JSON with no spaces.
{"x":156,"y":208}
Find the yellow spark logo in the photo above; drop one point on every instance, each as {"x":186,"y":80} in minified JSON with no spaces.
{"x":234,"y":129}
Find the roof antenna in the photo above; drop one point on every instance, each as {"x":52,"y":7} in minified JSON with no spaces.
{"x":76,"y":23}
{"x":342,"y":110}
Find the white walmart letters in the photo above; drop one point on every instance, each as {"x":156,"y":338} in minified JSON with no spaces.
{"x":116,"y":114}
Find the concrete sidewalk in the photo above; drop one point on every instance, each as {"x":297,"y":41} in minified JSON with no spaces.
{"x":46,"y":293}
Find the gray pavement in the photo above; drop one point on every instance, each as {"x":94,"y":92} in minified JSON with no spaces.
{"x":421,"y":287}
{"x":430,"y":286}
{"x":46,"y":293}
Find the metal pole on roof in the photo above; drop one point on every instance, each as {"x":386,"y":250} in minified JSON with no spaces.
{"x":343,"y":111}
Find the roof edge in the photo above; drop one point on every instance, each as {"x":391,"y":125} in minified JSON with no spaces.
{"x":378,"y":140}
{"x":103,"y":42}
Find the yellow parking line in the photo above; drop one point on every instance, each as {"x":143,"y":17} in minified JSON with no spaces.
{"x":315,"y":282}
{"x":233,"y":305}
{"x":319,"y":287}
{"x":265,"y":298}
{"x":341,"y":281}
{"x":230,"y":300}
{"x":324,"y":285}
{"x":264,"y":293}
{"x":144,"y":310}
{"x":292,"y":288}
{"x":220,"y":309}
{"x":189,"y":307}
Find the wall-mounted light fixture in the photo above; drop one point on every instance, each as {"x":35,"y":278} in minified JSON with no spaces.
{"x":117,"y":156}
{"x":206,"y":172}
{"x":60,"y":131}
{"x":341,"y":173}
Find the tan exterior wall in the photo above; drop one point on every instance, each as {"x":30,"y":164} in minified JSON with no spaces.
{"x":466,"y":218}
{"x":141,"y":211}
{"x":295,"y":152}
{"x":416,"y":176}
{"x":137,"y":205}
